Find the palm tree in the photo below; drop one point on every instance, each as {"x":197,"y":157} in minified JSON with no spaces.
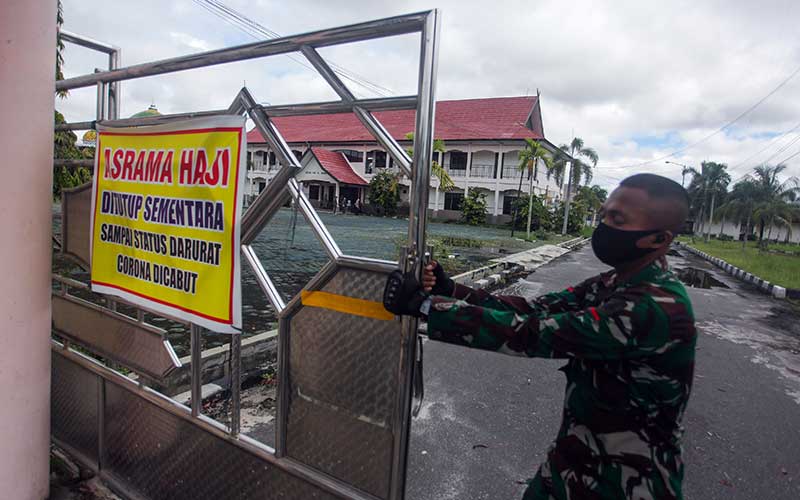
{"x":708,"y":186}
{"x":580,"y":169}
{"x":740,"y":205}
{"x":561,"y":159}
{"x":445,"y":182}
{"x":775,"y":199}
{"x":774,"y":212}
{"x":529,"y":159}
{"x":593,"y":197}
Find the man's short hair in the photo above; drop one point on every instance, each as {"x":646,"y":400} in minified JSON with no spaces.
{"x":661,"y":188}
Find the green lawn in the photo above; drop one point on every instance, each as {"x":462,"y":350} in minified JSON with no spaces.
{"x":783,"y":270}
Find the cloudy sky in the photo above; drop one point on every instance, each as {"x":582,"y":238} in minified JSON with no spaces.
{"x":640,"y":81}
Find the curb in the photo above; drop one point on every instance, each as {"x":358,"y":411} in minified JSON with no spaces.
{"x":501,"y":272}
{"x":763,"y":285}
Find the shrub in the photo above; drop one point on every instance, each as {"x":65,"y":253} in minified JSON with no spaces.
{"x":541,"y":217}
{"x":384,"y":192}
{"x":473,"y":210}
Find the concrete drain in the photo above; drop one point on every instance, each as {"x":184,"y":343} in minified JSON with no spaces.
{"x":697,"y":278}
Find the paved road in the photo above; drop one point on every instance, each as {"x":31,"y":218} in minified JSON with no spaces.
{"x":488,"y":418}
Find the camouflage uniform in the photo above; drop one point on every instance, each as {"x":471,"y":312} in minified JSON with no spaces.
{"x":630,"y":350}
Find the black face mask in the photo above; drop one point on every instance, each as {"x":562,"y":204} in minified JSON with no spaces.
{"x":616,"y":246}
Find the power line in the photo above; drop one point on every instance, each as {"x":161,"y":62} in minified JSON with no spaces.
{"x":258,"y":31}
{"x":272,"y":34}
{"x":788,"y":158}
{"x":356,"y":78}
{"x":722,"y":128}
{"x":781,"y":150}
{"x":769,"y":145}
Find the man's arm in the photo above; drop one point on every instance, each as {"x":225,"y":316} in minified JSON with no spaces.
{"x":626,"y":326}
{"x":570,"y":299}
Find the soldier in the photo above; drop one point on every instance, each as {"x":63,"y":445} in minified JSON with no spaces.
{"x":628,"y":336}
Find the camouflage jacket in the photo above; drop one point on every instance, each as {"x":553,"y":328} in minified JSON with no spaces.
{"x":630,"y":349}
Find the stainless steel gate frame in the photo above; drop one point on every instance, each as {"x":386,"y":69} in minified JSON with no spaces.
{"x":311,"y":466}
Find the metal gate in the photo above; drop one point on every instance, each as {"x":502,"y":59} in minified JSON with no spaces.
{"x":342,"y":440}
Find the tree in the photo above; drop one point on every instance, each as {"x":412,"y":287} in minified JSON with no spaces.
{"x":64,"y":140}
{"x":578,"y":214}
{"x":473,"y":209}
{"x":708,"y":186}
{"x":740,"y":205}
{"x":580,"y":169}
{"x":529,"y":159}
{"x":60,"y":49}
{"x":384,"y":191}
{"x":593,"y":198}
{"x":541,"y":217}
{"x":776,"y":200}
{"x":438,"y":171}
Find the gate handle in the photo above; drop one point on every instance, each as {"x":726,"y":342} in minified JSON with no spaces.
{"x":419,"y":385}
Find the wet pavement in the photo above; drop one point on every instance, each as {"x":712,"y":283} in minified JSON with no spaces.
{"x":488,"y":418}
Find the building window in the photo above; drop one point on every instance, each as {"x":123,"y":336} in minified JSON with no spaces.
{"x":352,"y":155}
{"x":313,"y":192}
{"x":271,"y":159}
{"x":508,"y":204}
{"x":375,"y":159}
{"x":297,"y":154}
{"x":453,"y":201}
{"x":458,"y":160}
{"x":261,"y":186}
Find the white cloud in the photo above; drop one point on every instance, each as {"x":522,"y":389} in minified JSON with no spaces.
{"x":614,"y":72}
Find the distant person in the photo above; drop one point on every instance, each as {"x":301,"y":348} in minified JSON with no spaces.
{"x":357,"y":207}
{"x":628,"y":337}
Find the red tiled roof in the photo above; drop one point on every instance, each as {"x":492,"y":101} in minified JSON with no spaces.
{"x":337,"y":166}
{"x":470,"y":119}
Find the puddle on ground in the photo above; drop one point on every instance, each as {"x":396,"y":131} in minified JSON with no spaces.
{"x":697,"y":278}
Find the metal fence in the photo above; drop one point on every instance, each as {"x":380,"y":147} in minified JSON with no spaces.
{"x":342,"y":440}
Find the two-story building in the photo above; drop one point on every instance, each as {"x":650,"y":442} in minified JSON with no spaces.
{"x":483,"y":139}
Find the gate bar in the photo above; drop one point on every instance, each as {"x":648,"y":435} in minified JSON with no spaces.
{"x":315,"y":108}
{"x":196,"y":369}
{"x":256,"y":448}
{"x":73,"y":163}
{"x":89,"y":43}
{"x":114,"y":58}
{"x":236,"y":382}
{"x":264,"y":281}
{"x":330,"y":107}
{"x":381,"y":28}
{"x":366,"y":118}
{"x":417,"y":221}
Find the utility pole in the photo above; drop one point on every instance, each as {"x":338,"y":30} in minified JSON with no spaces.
{"x":567,"y":198}
{"x":686,"y":169}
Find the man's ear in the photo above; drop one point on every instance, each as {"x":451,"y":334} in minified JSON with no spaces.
{"x":659,"y":240}
{"x":664,"y":238}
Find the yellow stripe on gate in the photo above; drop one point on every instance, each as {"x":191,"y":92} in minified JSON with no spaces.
{"x":345,"y":304}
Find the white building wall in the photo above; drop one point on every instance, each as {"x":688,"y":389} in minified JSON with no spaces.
{"x":734,"y":230}
{"x":495,"y":183}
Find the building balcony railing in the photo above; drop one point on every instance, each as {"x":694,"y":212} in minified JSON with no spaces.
{"x":457,"y":172}
{"x":511,"y":173}
{"x":482,"y":171}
